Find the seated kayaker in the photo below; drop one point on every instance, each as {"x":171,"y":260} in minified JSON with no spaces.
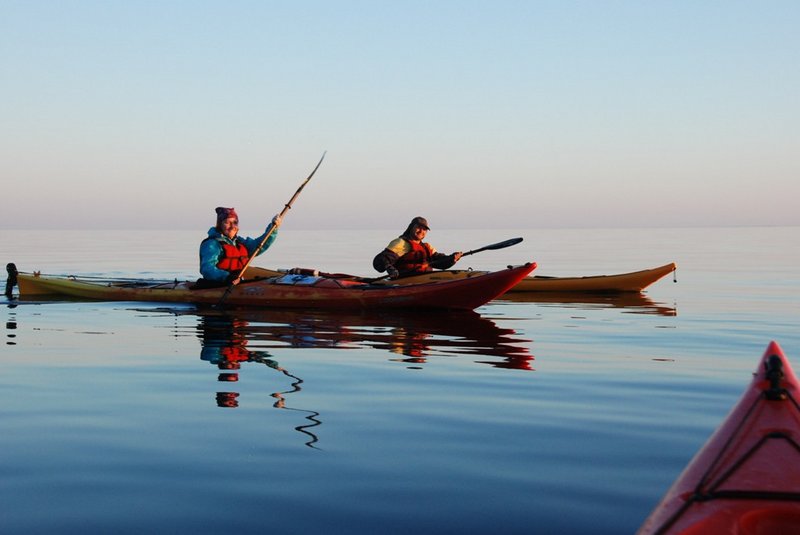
{"x":409,"y":255}
{"x":223,"y":253}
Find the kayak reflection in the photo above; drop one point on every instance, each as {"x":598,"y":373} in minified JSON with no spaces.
{"x":232,"y":336}
{"x":630,"y":302}
{"x":224,"y":340}
{"x":11,"y":325}
{"x":411,"y":338}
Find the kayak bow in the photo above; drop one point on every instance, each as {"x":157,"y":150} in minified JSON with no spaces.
{"x":746,"y":478}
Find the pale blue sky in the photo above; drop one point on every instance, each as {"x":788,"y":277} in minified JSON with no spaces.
{"x":499,"y":114}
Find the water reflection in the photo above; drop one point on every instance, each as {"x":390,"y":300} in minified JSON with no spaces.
{"x":223,"y":340}
{"x":11,"y":325}
{"x":409,"y":337}
{"x":231,"y":337}
{"x":631,"y":302}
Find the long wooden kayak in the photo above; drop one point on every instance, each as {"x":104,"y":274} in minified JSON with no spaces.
{"x":288,"y":291}
{"x":635,"y":281}
{"x":746,"y":478}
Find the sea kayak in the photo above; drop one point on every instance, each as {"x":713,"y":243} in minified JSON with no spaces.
{"x":635,"y":281}
{"x":287,"y":291}
{"x":746,"y":478}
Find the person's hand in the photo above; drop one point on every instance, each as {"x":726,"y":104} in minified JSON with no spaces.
{"x":233,"y":279}
{"x":457,"y":256}
{"x":276,"y":221}
{"x":392,"y":271}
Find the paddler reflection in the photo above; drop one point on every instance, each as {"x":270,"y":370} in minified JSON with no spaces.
{"x":224,"y":344}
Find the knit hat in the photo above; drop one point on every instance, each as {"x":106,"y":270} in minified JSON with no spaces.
{"x":225,"y":213}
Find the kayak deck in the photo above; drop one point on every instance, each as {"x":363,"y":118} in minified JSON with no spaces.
{"x":746,"y":478}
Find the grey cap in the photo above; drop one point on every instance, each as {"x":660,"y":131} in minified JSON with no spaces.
{"x":421,"y":221}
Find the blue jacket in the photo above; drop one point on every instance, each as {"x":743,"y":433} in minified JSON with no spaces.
{"x":211,"y":251}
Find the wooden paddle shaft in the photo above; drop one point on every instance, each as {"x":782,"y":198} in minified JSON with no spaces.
{"x":283,"y":212}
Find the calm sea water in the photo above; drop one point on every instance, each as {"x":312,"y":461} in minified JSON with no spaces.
{"x":527,"y":416}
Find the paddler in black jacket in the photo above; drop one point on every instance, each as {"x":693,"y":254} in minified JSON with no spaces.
{"x":409,"y":255}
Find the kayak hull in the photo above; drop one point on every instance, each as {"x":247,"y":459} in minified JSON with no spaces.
{"x":746,"y":478}
{"x":289,"y":291}
{"x":635,"y":281}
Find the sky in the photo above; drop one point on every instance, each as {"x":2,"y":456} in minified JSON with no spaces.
{"x":475,"y":114}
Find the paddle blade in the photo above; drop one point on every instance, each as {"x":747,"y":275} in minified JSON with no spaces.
{"x":494,"y":246}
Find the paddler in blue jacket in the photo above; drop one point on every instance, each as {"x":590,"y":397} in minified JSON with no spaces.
{"x":410,"y":255}
{"x":223,"y":253}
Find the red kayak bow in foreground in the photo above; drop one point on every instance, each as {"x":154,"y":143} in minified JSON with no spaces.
{"x":746,"y":478}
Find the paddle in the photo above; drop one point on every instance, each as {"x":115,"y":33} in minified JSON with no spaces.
{"x":492,"y":247}
{"x":272,"y":229}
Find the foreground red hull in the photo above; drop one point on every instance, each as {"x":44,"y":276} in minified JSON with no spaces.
{"x":746,"y":478}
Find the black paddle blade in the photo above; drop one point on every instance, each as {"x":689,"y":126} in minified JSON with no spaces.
{"x":494,"y":246}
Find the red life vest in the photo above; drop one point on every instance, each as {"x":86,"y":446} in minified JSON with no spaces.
{"x":234,"y":353}
{"x":233,"y":258}
{"x":416,"y":260}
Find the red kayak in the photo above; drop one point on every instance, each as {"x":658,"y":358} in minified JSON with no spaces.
{"x":746,"y":478}
{"x":288,"y":291}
